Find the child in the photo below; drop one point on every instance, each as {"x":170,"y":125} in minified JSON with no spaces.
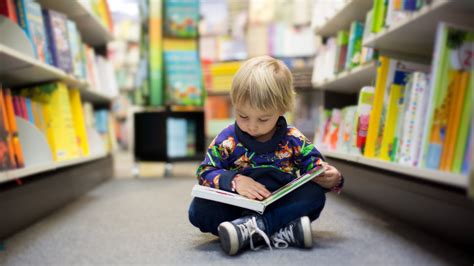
{"x":257,"y":155}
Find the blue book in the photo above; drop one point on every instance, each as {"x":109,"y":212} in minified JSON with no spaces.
{"x":355,"y":45}
{"x":29,"y":110}
{"x":183,"y":79}
{"x":37,"y":30}
{"x":181,"y":18}
{"x":58,"y":40}
{"x":22,"y":15}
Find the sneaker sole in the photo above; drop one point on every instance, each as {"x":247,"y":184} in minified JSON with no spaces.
{"x":308,"y":238}
{"x":229,"y":238}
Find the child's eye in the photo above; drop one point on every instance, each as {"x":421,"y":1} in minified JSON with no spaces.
{"x":243,"y":117}
{"x":263,"y":120}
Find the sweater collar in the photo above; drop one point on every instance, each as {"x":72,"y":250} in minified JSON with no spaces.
{"x":263,"y":147}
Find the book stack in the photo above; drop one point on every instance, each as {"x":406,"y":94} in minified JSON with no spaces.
{"x":388,"y":12}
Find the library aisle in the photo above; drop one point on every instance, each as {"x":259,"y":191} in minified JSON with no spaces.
{"x":129,"y":221}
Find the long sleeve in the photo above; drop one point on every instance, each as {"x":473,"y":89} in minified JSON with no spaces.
{"x":307,"y":157}
{"x":214,"y":170}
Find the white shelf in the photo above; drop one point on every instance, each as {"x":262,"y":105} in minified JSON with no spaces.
{"x":416,"y":34}
{"x":93,"y":32}
{"x":353,"y":10}
{"x":36,"y":169}
{"x":442,"y":177}
{"x":350,"y":81}
{"x":18,"y":69}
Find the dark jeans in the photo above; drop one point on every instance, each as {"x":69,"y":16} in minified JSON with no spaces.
{"x":307,"y":200}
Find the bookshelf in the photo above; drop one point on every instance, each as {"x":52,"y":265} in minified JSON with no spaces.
{"x":46,"y":184}
{"x":430,"y":199}
{"x":447,"y":178}
{"x":93,"y":32}
{"x":415,"y":35}
{"x":350,"y":81}
{"x":352,"y":10}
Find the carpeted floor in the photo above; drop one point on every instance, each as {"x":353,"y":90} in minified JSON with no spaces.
{"x":144,"y":221}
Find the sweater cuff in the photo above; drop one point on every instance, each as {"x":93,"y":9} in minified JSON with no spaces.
{"x":225,"y":180}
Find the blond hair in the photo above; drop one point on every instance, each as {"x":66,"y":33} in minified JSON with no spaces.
{"x":265,"y":84}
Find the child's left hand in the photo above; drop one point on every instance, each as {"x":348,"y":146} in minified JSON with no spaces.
{"x":330,"y":178}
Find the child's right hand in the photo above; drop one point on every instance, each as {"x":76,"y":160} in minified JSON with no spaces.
{"x":250,"y":188}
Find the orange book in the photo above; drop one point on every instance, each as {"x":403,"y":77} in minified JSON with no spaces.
{"x":447,"y":156}
{"x":13,"y":129}
{"x":6,"y":143}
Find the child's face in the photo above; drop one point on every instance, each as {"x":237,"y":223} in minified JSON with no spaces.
{"x":256,"y":123}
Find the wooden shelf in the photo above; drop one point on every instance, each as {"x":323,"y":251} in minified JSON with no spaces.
{"x":93,"y":32}
{"x":350,"y":81}
{"x":18,"y":69}
{"x":442,"y":177}
{"x":23,"y":172}
{"x":416,"y":34}
{"x":353,"y":10}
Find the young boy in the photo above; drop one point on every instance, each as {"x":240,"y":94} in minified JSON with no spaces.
{"x":257,"y":155}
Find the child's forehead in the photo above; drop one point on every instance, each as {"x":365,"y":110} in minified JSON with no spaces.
{"x":248,"y":110}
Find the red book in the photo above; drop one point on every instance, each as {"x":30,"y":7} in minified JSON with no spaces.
{"x":8,"y":9}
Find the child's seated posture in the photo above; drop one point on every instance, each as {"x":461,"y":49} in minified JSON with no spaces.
{"x":257,"y":155}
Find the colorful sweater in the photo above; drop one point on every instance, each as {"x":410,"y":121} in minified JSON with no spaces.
{"x":235,"y":152}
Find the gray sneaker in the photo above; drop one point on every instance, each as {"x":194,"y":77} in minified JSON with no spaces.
{"x":239,"y":233}
{"x":297,"y":234}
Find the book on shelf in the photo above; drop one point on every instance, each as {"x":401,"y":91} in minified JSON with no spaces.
{"x":354,"y":47}
{"x":8,"y":9}
{"x":16,"y":153}
{"x":364,"y":108}
{"x":452,"y":71}
{"x":57,"y":37}
{"x":181,"y":18}
{"x":226,"y":197}
{"x":7,"y":159}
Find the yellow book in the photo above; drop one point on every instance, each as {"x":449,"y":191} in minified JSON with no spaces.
{"x":59,"y":121}
{"x":79,"y":124}
{"x":396,"y":92}
{"x":374,"y":120}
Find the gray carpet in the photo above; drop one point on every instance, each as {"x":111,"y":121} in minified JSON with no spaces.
{"x":144,"y":221}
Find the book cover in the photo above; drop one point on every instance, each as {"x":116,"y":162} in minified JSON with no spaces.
{"x":183,"y":78}
{"x":37,"y":31}
{"x":379,"y":11}
{"x":453,"y":46}
{"x":58,"y":40}
{"x":155,"y":85}
{"x":8,"y":9}
{"x":75,"y":44}
{"x":255,"y":205}
{"x":181,"y":18}
{"x":22,"y":16}
{"x":29,"y":110}
{"x":341,"y":50}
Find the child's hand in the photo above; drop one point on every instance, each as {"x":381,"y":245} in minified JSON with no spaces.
{"x":330,"y":178}
{"x":250,"y":188}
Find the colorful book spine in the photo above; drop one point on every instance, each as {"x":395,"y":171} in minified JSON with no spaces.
{"x":156,"y":51}
{"x":364,"y":108}
{"x":388,"y":141}
{"x":7,"y":154}
{"x":463,"y":133}
{"x":379,"y":10}
{"x":375,"y":115}
{"x":355,"y":45}
{"x":454,"y":121}
{"x":79,"y":124}
{"x":341,"y":50}
{"x":16,"y":145}
{"x":414,"y":116}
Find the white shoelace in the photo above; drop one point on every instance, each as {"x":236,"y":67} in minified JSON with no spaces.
{"x":282,"y":238}
{"x":249,"y":228}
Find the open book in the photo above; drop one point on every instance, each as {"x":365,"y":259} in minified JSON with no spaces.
{"x":255,"y":205}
